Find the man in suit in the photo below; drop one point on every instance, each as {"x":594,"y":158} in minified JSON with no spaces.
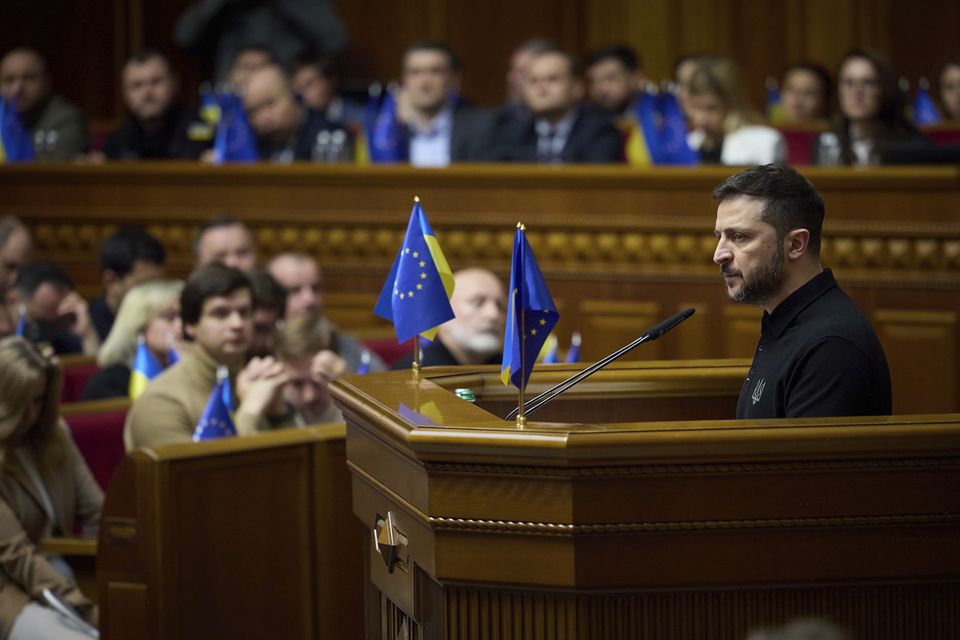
{"x":559,"y":128}
{"x":440,"y":128}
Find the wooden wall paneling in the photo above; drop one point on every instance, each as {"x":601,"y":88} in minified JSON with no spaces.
{"x":610,"y":324}
{"x":741,"y":330}
{"x":699,"y":334}
{"x":921,"y":348}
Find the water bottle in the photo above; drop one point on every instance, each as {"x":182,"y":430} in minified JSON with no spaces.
{"x":828,"y":150}
{"x":321,"y":147}
{"x":338,"y":146}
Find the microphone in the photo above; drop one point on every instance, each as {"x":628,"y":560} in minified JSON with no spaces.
{"x":655,"y":332}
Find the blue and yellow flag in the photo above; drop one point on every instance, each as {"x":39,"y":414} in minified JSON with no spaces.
{"x":775,"y":113}
{"x":15,"y":144}
{"x":145,"y":369}
{"x":234,"y":140}
{"x":215,"y":422}
{"x":573,"y":355}
{"x":531,"y":314}
{"x":416,"y":295}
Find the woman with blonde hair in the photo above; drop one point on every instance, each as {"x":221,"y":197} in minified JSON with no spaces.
{"x":726,"y":129}
{"x":150,"y":310}
{"x":45,"y":487}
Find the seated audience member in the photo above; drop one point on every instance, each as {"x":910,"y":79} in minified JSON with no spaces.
{"x":15,"y":249}
{"x":127,"y":258}
{"x":269,"y":304}
{"x":725,"y":128}
{"x":475,"y":335}
{"x":316,"y":82}
{"x":38,"y":459}
{"x":517,"y":73}
{"x":558,"y":128}
{"x":150,"y":310}
{"x":157,"y":126}
{"x":56,"y":314}
{"x":8,"y":325}
{"x":304,"y":346}
{"x":613,"y":80}
{"x":285,"y":130}
{"x":950,"y":89}
{"x":228,"y":241}
{"x":57,"y":127}
{"x":216,"y":309}
{"x":870,"y":112}
{"x":440,"y":128}
{"x":683,"y":70}
{"x":300,"y":276}
{"x":805,"y":95}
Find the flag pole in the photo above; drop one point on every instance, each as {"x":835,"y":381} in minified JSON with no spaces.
{"x":521,"y":416}
{"x":415,"y":367}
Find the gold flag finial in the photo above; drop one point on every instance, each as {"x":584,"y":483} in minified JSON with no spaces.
{"x":416,"y":198}
{"x":523,"y":227}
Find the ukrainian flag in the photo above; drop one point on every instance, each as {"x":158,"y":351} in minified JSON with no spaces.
{"x":15,"y":144}
{"x":145,"y":369}
{"x":416,"y":295}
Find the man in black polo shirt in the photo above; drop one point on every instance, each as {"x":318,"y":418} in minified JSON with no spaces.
{"x":817,"y":355}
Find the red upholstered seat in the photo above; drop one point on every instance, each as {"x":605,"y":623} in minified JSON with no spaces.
{"x":97,"y":429}
{"x":388,"y":348}
{"x":77,"y":371}
{"x":943,"y":134}
{"x":800,"y":144}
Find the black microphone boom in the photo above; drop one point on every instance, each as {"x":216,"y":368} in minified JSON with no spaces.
{"x":657,"y":331}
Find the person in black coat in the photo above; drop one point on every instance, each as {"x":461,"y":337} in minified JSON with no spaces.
{"x":559,"y":128}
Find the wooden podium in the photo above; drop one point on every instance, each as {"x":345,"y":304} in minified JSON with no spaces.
{"x":629,"y":509}
{"x":234,"y":538}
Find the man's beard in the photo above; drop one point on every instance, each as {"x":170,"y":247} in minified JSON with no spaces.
{"x":484,"y":343}
{"x":764,"y":283}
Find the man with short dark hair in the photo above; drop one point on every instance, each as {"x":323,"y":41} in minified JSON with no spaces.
{"x":818,"y":354}
{"x":558,"y":128}
{"x":440,"y":128}
{"x":15,"y":249}
{"x":57,"y":127}
{"x":55,"y":313}
{"x":614,"y":78}
{"x":226,"y":240}
{"x":269,"y":304}
{"x":127,"y":258}
{"x":158,"y":128}
{"x":316,"y":82}
{"x":216,"y":307}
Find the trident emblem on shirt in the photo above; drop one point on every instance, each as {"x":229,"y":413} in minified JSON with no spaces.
{"x":758,"y":391}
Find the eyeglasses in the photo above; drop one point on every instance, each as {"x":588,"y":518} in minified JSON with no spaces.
{"x":860,"y":84}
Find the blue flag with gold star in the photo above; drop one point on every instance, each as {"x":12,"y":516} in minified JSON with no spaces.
{"x":531,"y":314}
{"x":215,"y":422}
{"x":416,"y":295}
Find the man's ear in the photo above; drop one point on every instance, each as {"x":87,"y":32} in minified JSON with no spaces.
{"x":109,"y":278}
{"x":189,"y":331}
{"x":797,"y":244}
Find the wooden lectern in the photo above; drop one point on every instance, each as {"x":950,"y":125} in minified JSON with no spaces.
{"x":630,"y":509}
{"x":234,"y":538}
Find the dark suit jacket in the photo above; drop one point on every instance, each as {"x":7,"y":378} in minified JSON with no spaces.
{"x":131,"y":142}
{"x":472,"y":134}
{"x":593,"y":139}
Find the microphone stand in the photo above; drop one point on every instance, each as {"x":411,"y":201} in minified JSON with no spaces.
{"x":540,"y":400}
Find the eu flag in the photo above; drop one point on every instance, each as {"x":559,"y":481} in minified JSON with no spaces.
{"x":416,"y":295}
{"x":388,"y":139}
{"x":924,"y":111}
{"x":672,"y":147}
{"x":531,"y":314}
{"x":234,"y":140}
{"x":21,"y":322}
{"x":215,"y":421}
{"x":145,"y":369}
{"x":15,"y":144}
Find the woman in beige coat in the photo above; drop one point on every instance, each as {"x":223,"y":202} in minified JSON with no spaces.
{"x":45,"y":488}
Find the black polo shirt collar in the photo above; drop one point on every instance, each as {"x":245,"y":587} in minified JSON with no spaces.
{"x":781,"y":318}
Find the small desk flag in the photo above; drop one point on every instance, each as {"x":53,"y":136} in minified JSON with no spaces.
{"x":21,"y":322}
{"x":216,"y":421}
{"x":924,"y":111}
{"x":145,"y":369}
{"x":573,"y":355}
{"x":234,"y":140}
{"x":416,"y":295}
{"x":15,"y":143}
{"x":531,"y":314}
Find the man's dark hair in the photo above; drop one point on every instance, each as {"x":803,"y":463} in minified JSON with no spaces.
{"x":146,"y":55}
{"x":267,"y":292}
{"x":326,"y":67}
{"x":32,"y":275}
{"x":432,"y":45}
{"x":623,"y":54}
{"x":790,"y":200}
{"x":120,"y":251}
{"x":219,"y":222}
{"x":209,"y":281}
